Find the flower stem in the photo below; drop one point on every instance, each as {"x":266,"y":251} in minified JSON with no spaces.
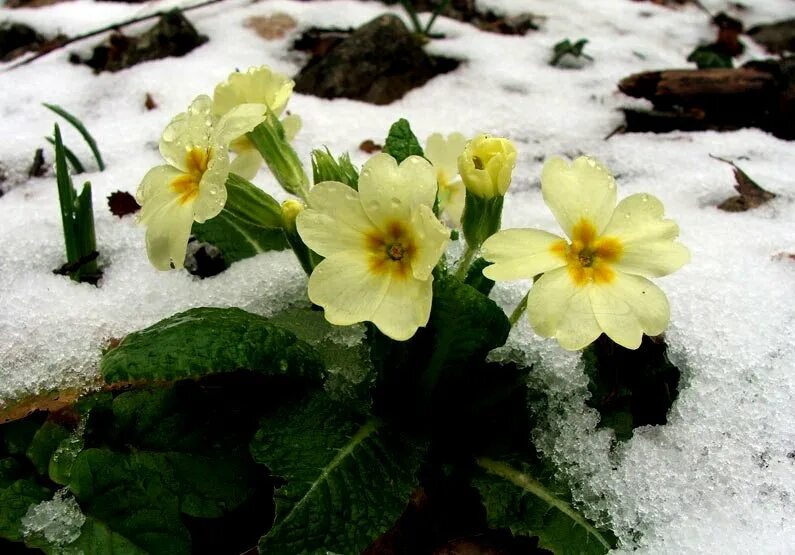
{"x":517,"y":312}
{"x":466,"y":261}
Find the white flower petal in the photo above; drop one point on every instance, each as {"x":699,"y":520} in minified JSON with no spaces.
{"x":238,"y":121}
{"x":167,"y":232}
{"x":557,"y":308}
{"x":246,"y":164}
{"x":346,"y":287}
{"x":431,"y":239}
{"x":584,"y":189}
{"x":335,"y":220}
{"x":521,"y":254}
{"x":292,"y":125}
{"x":647,"y":239}
{"x":405,"y":307}
{"x":187,"y":130}
{"x":628,"y":307}
{"x":389,"y":192}
{"x":443,"y":153}
{"x":257,"y":85}
{"x":456,"y":199}
{"x":212,"y":188}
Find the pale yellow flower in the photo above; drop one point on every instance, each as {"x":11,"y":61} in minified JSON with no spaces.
{"x":443,"y":154}
{"x":192,"y":185}
{"x":380,"y":245}
{"x":486,"y":165}
{"x":596,"y":281}
{"x":257,"y":85}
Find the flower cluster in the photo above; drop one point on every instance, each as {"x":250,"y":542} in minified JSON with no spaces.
{"x":196,"y":144}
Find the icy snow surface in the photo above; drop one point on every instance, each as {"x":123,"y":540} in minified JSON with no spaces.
{"x":720,"y":477}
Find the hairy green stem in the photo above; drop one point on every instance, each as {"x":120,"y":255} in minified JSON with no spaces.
{"x":466,"y":262}
{"x":517,"y":312}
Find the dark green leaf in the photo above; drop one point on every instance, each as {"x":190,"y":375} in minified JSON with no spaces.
{"x":526,"y":501}
{"x":476,"y":279}
{"x":75,"y":162}
{"x":96,"y":538}
{"x":401,"y":141}
{"x":566,"y":47}
{"x":44,"y":444}
{"x":77,"y":124}
{"x":347,"y":479}
{"x":706,"y":57}
{"x":630,"y":388}
{"x":15,"y":500}
{"x":250,"y":223}
{"x":204,"y":341}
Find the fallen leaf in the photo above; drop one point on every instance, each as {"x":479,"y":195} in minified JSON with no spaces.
{"x":751,"y":195}
{"x":272,"y":27}
{"x":784,"y":256}
{"x":369,"y":146}
{"x":122,"y":203}
{"x":37,"y":167}
{"x":149,"y":102}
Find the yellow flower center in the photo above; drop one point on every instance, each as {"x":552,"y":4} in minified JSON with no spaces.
{"x":588,"y":256}
{"x":186,"y":185}
{"x":391,"y":251}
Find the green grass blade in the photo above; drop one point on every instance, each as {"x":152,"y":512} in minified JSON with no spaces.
{"x":66,"y":197}
{"x":92,"y":144}
{"x":75,"y":162}
{"x":86,"y":237}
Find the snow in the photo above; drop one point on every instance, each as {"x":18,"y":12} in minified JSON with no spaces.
{"x":719,"y":476}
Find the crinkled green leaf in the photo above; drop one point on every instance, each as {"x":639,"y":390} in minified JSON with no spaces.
{"x":348,"y":479}
{"x":326,"y":168}
{"x":45,"y":442}
{"x":249,"y":224}
{"x":476,"y":279}
{"x":401,"y":141}
{"x":15,"y":499}
{"x":204,"y":341}
{"x":525,"y":500}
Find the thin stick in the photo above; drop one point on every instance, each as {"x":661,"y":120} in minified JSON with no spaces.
{"x":106,"y":29}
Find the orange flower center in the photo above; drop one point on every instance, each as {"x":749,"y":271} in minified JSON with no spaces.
{"x":392,"y":250}
{"x":588,"y":256}
{"x":186,"y":185}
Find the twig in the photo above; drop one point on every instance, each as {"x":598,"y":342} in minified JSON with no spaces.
{"x":106,"y":29}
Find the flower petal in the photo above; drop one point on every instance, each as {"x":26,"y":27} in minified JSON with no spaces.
{"x":405,"y":307}
{"x":443,"y":153}
{"x":647,"y":239}
{"x":187,"y":130}
{"x":346,"y":288}
{"x":212,"y":188}
{"x":456,"y":199}
{"x":335,"y":220}
{"x":258,"y":85}
{"x":582,"y":189}
{"x":557,"y":308}
{"x":238,"y":121}
{"x":167,"y":232}
{"x":389,"y":192}
{"x":292,"y":125}
{"x":431,"y":238}
{"x":247,"y":163}
{"x":156,"y":182}
{"x":629,"y":306}
{"x":522,"y":254}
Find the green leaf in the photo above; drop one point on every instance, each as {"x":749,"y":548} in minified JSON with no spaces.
{"x":401,"y":141}
{"x":204,"y":341}
{"x":707,"y":57}
{"x":630,"y":387}
{"x":566,"y":47}
{"x":97,"y":538}
{"x":530,"y":504}
{"x":326,"y":168}
{"x":74,"y":161}
{"x":77,"y":124}
{"x":15,"y":500}
{"x":250,"y":223}
{"x":476,"y":279}
{"x":44,"y":444}
{"x":347,"y":479}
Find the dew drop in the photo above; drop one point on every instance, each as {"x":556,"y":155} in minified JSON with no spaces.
{"x":373,"y":205}
{"x":396,"y":202}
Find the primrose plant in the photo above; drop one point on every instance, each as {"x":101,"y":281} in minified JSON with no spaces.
{"x":378,"y":388}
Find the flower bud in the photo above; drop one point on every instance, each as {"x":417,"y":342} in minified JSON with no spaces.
{"x":270,"y":140}
{"x":290,"y":210}
{"x":486,"y":165}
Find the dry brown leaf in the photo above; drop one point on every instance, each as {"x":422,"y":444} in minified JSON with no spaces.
{"x":369,"y":146}
{"x":751,"y":195}
{"x":271,"y":27}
